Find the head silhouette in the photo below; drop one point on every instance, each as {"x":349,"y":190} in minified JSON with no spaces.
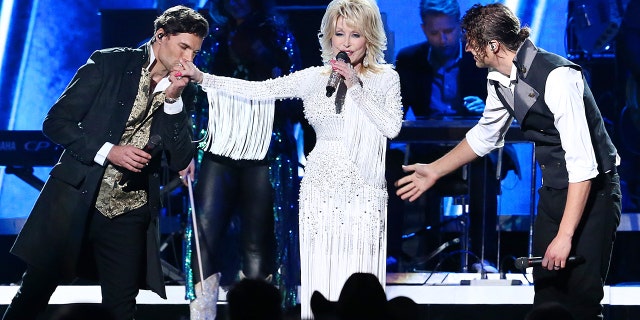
{"x":254,"y":299}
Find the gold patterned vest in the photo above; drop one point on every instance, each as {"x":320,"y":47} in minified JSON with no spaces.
{"x":113,"y":199}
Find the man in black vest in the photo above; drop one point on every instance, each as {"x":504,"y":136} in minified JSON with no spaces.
{"x":579,"y":206}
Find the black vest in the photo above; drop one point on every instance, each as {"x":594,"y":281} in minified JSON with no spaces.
{"x":537,"y":123}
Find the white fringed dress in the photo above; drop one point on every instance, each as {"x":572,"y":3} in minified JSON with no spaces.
{"x":343,"y":196}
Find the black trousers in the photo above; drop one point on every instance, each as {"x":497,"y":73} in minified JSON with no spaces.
{"x":119,"y":253}
{"x":226,"y":187}
{"x":579,"y":287}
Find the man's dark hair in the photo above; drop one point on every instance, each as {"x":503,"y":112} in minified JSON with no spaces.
{"x":495,"y":21}
{"x":181,"y":19}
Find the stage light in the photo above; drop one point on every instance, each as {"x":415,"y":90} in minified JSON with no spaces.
{"x":5,"y":21}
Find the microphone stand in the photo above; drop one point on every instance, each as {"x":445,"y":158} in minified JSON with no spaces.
{"x":195,"y":230}
{"x":532,"y":206}
{"x":484,"y":280}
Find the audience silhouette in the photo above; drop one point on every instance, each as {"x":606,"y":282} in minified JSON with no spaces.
{"x":254,"y":299}
{"x":549,"y":311}
{"x":363,"y":297}
{"x":82,"y":311}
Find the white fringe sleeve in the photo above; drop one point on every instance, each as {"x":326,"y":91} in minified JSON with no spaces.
{"x":241,"y":113}
{"x":373,"y":113}
{"x":239,"y":127}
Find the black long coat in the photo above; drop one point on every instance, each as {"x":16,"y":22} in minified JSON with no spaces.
{"x":92,"y":110}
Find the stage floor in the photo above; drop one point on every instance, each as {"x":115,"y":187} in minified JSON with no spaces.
{"x":441,"y":296}
{"x":441,"y":288}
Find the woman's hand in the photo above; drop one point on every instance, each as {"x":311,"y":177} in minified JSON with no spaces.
{"x":178,"y":82}
{"x":187,"y":70}
{"x":347,"y":71}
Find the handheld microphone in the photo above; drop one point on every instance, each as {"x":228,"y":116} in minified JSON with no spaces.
{"x":335,"y":77}
{"x":524,"y":262}
{"x":153,"y":142}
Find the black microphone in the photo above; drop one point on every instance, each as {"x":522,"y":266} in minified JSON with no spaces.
{"x":153,"y":142}
{"x":335,"y":77}
{"x":524,"y":262}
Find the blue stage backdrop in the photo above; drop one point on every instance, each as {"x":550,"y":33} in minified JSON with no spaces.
{"x":60,"y":35}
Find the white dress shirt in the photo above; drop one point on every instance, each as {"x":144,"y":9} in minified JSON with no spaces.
{"x":563,"y":95}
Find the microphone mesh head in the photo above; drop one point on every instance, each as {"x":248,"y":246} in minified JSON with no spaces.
{"x":521,"y":263}
{"x":343,"y":56}
{"x":155,"y":139}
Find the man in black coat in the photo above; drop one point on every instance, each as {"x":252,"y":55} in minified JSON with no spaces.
{"x":97,"y":215}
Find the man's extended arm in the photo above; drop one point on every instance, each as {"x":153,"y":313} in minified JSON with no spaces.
{"x":424,"y":176}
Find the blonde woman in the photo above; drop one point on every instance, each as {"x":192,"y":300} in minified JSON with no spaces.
{"x":343,"y":197}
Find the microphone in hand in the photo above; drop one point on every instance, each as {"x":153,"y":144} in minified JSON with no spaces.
{"x":335,"y":77}
{"x":153,"y":142}
{"x":524,"y":262}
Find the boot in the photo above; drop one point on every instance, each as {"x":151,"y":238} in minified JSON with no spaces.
{"x":204,"y":306}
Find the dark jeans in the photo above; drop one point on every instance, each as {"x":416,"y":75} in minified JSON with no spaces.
{"x":119,"y":251}
{"x":226,"y":187}
{"x":579,"y":287}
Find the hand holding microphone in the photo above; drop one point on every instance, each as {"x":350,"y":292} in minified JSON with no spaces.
{"x":149,"y":148}
{"x":335,"y":77}
{"x":525,"y":262}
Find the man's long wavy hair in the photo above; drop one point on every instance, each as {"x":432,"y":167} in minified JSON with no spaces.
{"x":482,"y":24}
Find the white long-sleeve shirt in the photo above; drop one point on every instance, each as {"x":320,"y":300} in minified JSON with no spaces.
{"x":564,"y":96}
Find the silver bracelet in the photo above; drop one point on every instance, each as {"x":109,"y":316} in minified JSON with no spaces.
{"x":170,"y":100}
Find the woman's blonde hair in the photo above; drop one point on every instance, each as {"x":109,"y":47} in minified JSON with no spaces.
{"x":362,"y":15}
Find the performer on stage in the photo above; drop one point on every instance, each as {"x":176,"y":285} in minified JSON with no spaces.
{"x":97,"y":215}
{"x":343,"y":196}
{"x":437,"y":77}
{"x":579,"y":206}
{"x":239,"y":195}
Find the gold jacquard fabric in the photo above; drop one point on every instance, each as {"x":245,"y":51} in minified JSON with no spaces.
{"x":115,"y":199}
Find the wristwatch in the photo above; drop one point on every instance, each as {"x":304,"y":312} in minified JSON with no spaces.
{"x":170,"y":100}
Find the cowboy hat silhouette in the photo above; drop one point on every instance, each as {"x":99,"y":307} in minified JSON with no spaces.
{"x":362,"y":297}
